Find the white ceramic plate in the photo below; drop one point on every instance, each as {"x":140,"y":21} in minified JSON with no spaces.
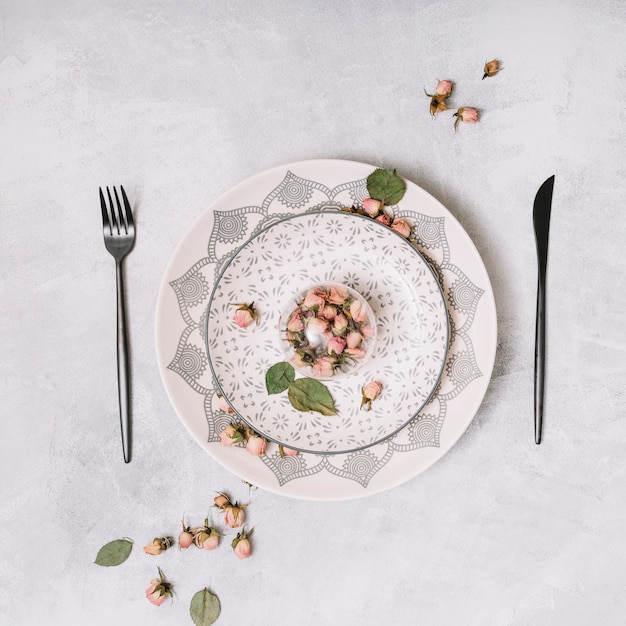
{"x":206,"y":249}
{"x":329,"y":247}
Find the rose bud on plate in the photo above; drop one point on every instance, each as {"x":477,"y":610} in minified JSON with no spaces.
{"x":372,"y":207}
{"x":401,"y":227}
{"x":245,"y":315}
{"x":232,"y":435}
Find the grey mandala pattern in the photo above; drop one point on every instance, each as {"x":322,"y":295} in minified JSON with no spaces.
{"x":297,"y":195}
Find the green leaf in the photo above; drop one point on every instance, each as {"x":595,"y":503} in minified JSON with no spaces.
{"x":205,"y":608}
{"x":308,"y":394}
{"x":114,"y":552}
{"x":279,"y":377}
{"x":386,"y":186}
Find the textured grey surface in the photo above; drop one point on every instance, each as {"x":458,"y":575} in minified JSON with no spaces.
{"x":181,"y":101}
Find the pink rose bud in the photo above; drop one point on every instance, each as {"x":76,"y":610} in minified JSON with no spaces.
{"x":256,"y":445}
{"x":324,"y":367}
{"x":444,"y":88}
{"x":384,"y":219}
{"x":337,"y":295}
{"x":354,"y":339}
{"x":185,"y":539}
{"x":286,"y":451}
{"x":243,"y":549}
{"x":223,"y":405}
{"x":155,"y":593}
{"x":158,"y":545}
{"x":244,"y":315}
{"x":336,"y":345}
{"x":369,"y":393}
{"x":234,"y":516}
{"x":317,"y":325}
{"x":372,"y":207}
{"x":207,"y":539}
{"x":241,"y":544}
{"x":329,"y":312}
{"x":491,"y":68}
{"x":358,"y":311}
{"x":401,"y":227}
{"x":295,"y":323}
{"x":367,"y":330}
{"x":159,"y":590}
{"x":355,"y":353}
{"x":221,"y":500}
{"x":340,"y":324}
{"x":314,"y":299}
{"x":466,"y":115}
{"x":232,"y":435}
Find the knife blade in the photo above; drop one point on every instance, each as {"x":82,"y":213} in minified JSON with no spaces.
{"x":541,"y":221}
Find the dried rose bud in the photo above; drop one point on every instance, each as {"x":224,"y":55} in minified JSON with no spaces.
{"x":317,"y":325}
{"x":329,"y":312}
{"x":314,"y":299}
{"x":185,"y":539}
{"x":355,"y":353}
{"x":223,"y":405}
{"x":324,"y":367}
{"x":234,"y":516}
{"x":207,"y":538}
{"x":256,"y":444}
{"x":340,"y":325}
{"x":159,"y":589}
{"x":372,"y":207}
{"x":295,"y":323}
{"x":401,"y":227}
{"x":241,"y":544}
{"x":369,"y":393}
{"x":245,"y":315}
{"x":232,"y":435}
{"x":221,"y":500}
{"x":337,"y":295}
{"x":358,"y":311}
{"x":286,"y":451}
{"x":467,"y":115}
{"x":353,"y":339}
{"x":444,"y":89}
{"x":336,"y":345}
{"x":384,"y":219}
{"x":158,"y":545}
{"x":491,"y":68}
{"x":367,"y":330}
{"x":437,"y":100}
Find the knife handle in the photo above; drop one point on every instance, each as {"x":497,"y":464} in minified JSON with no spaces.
{"x":540,"y":352}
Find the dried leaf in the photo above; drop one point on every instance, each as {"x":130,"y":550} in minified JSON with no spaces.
{"x":114,"y":552}
{"x":205,"y":608}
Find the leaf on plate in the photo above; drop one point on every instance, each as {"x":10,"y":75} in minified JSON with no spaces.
{"x":279,"y":377}
{"x":205,"y":608}
{"x":386,"y":186}
{"x":308,"y":394}
{"x":114,"y":552}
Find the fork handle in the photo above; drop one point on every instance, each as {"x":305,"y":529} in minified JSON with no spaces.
{"x":122,"y":364}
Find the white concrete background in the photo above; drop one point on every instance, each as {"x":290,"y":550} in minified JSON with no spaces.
{"x":179,"y":101}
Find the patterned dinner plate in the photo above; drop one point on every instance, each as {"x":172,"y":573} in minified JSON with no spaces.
{"x":250,"y":208}
{"x":322,"y":247}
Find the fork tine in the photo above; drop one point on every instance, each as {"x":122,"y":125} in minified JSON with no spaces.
{"x":106,"y":223}
{"x":129,"y":212}
{"x":114,"y":223}
{"x":120,"y":213}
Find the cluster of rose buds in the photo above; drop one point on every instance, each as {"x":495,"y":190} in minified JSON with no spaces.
{"x":235,"y":434}
{"x":245,"y":315}
{"x":374,"y":209}
{"x":443,"y":91}
{"x":234,"y":513}
{"x":369,"y":393}
{"x":341,"y":322}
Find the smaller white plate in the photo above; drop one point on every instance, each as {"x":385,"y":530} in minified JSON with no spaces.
{"x":329,"y":247}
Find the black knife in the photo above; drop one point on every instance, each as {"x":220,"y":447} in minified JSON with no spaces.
{"x":541,"y":220}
